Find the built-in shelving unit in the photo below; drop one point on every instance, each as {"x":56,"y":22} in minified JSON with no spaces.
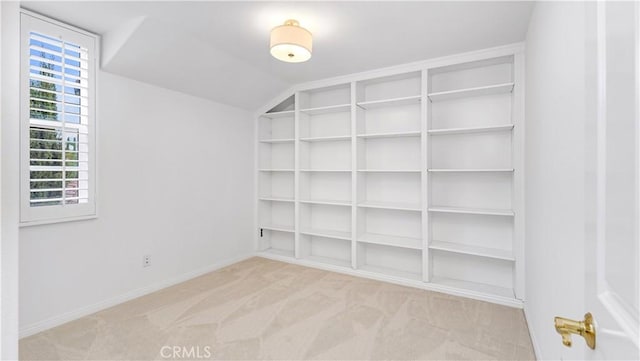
{"x":410,"y":176}
{"x":276,"y":165}
{"x":473,"y":167}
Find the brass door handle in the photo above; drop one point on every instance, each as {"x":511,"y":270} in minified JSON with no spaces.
{"x":587,"y":329}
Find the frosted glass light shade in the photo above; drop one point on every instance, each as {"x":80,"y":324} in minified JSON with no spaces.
{"x":291,"y":43}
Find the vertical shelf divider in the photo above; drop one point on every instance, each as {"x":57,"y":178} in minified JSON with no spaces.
{"x":354,"y":177}
{"x":296,"y":178}
{"x":425,"y":125}
{"x":517,"y":154}
{"x":257,"y":185}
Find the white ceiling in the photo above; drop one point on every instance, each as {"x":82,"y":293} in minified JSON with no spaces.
{"x":219,"y":50}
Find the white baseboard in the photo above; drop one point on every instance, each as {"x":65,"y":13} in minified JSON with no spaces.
{"x":46,"y":324}
{"x":396,"y":280}
{"x":536,"y":349}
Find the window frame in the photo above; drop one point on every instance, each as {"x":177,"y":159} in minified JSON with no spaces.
{"x":30,"y":21}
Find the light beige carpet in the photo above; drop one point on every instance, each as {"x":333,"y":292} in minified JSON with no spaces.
{"x":263,"y":309}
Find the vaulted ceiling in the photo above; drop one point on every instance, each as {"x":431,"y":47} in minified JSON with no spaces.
{"x":220,"y":50}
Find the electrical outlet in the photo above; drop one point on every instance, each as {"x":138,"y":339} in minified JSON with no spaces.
{"x":146,"y":260}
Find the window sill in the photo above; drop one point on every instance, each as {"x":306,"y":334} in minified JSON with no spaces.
{"x":57,"y":220}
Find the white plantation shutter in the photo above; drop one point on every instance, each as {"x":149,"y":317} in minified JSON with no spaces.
{"x":58,"y":121}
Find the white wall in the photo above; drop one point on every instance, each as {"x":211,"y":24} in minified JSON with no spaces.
{"x":555,"y":136}
{"x":175,"y":181}
{"x":10,"y":40}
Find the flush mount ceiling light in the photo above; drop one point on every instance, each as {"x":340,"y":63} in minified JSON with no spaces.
{"x":290,"y":42}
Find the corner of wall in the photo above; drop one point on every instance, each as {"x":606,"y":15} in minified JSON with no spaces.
{"x":9,"y":55}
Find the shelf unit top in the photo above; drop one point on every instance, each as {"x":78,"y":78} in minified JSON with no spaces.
{"x":505,"y":59}
{"x":470,"y":92}
{"x":413,"y":74}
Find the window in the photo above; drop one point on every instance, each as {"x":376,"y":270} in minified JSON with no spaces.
{"x":58,"y":80}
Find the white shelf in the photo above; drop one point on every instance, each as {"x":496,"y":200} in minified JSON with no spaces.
{"x":465,"y":170}
{"x":412,"y":133}
{"x":390,"y":170}
{"x":394,"y":241}
{"x":330,"y":202}
{"x":391,"y":272}
{"x":470,"y":92}
{"x":276,"y":140}
{"x":279,"y":252}
{"x":471,"y":130}
{"x":325,"y":139}
{"x":329,"y":260}
{"x":372,"y":104}
{"x":327,"y":109}
{"x":325,"y":170}
{"x":391,"y":205}
{"x":329,"y":233}
{"x":472,"y":250}
{"x":278,"y":228}
{"x":275,"y":170}
{"x":282,"y":114}
{"x":473,"y":286}
{"x":480,"y":211}
{"x":276,"y":199}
